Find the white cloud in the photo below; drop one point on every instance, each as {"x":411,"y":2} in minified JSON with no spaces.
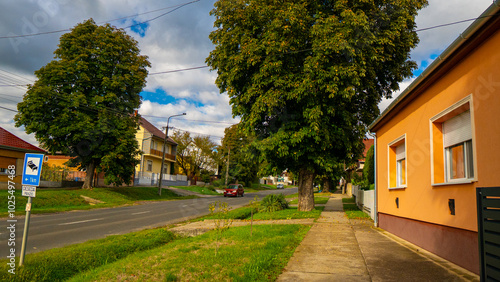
{"x":434,"y":41}
{"x":177,"y":40}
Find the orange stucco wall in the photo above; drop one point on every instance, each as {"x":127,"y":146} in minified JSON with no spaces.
{"x":477,"y":75}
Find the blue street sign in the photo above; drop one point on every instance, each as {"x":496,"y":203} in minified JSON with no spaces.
{"x":32,"y":169}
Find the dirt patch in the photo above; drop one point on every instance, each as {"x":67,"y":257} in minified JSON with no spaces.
{"x":200,"y":227}
{"x":91,"y":201}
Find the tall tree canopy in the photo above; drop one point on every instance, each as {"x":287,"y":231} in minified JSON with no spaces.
{"x":307,"y":75}
{"x":83,"y":101}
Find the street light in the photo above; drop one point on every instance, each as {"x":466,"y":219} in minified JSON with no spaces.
{"x":163,"y":159}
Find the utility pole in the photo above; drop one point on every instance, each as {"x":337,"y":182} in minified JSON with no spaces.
{"x":227,"y":168}
{"x":163,"y":158}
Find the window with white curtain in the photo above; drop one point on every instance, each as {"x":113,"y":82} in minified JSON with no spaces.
{"x":401,"y":165}
{"x":457,"y":140}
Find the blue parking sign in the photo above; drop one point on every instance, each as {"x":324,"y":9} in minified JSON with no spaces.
{"x":32,"y":169}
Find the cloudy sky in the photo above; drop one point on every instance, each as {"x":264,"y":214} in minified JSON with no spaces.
{"x":175,"y":37}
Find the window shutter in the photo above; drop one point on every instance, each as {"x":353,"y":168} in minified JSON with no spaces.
{"x":457,"y":129}
{"x":400,"y":152}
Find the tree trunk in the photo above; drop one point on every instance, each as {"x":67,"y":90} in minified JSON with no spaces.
{"x":327,"y":184}
{"x":306,"y":193}
{"x":89,"y":178}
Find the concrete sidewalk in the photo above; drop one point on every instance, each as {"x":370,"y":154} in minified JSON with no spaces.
{"x":339,"y":249}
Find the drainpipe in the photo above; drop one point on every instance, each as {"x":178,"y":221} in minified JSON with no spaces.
{"x":375,"y":214}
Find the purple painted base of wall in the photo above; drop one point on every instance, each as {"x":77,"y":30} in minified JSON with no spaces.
{"x":456,"y":245}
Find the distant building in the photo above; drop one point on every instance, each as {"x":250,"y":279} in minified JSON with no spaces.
{"x":360,"y":164}
{"x":150,"y":141}
{"x":12,"y":150}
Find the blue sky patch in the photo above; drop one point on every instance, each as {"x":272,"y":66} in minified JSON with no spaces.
{"x":424,"y":65}
{"x":161,"y":97}
{"x":139,"y":28}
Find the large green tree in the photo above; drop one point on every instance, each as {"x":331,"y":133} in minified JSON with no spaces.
{"x":243,"y":155}
{"x":306,"y":76}
{"x":83,"y":101}
{"x":194,"y":153}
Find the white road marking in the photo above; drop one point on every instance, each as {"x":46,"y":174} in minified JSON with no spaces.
{"x":83,"y":221}
{"x":140,"y":212}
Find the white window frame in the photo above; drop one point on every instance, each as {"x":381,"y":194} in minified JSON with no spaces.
{"x":467,"y":159}
{"x":148,"y":163}
{"x":467,"y":100}
{"x":398,"y":169}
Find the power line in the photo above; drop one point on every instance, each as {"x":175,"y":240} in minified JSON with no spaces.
{"x":454,"y":23}
{"x":197,"y":133}
{"x":164,"y":14}
{"x":8,"y":109}
{"x":175,"y":7}
{"x":13,"y":74}
{"x":202,"y":121}
{"x":178,"y":70}
{"x":154,"y":73}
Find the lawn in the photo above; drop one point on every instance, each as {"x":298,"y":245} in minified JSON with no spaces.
{"x":62,"y":263}
{"x":240,"y":257}
{"x":58,"y":200}
{"x":198,"y":189}
{"x":317,"y":200}
{"x":246,"y":213}
{"x":290,"y":213}
{"x":352,"y":211}
{"x":158,"y":255}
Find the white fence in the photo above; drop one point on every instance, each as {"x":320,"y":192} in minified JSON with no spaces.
{"x":365,"y":199}
{"x":148,"y":179}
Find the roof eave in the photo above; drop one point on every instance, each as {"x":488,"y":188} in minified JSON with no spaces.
{"x":447,"y":53}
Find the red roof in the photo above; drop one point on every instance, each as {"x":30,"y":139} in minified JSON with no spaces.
{"x":155,"y":131}
{"x":368,"y":143}
{"x":13,"y":142}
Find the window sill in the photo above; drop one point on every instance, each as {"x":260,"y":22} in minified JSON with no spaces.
{"x":465,"y":181}
{"x":397,"y":188}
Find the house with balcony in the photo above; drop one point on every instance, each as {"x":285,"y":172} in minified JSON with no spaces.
{"x":150,"y":141}
{"x":436,"y":148}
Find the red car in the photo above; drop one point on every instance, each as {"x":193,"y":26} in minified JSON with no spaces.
{"x":234,"y":190}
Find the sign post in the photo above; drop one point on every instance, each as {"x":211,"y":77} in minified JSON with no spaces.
{"x":31,"y":179}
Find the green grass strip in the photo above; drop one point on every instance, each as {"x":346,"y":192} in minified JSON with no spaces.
{"x":240,"y":257}
{"x":317,"y":200}
{"x":198,"y":189}
{"x":59,"y":200}
{"x":62,"y":263}
{"x":290,"y":213}
{"x":348,"y":200}
{"x":353,"y":212}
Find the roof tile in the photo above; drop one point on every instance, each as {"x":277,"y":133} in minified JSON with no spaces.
{"x":8,"y":139}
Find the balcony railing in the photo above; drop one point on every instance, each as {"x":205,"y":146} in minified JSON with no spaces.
{"x":160,"y":154}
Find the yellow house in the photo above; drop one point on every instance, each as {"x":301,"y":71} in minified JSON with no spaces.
{"x":438,"y":142}
{"x":12,"y":151}
{"x":150,"y":141}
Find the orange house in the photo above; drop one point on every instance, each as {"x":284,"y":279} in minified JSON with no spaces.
{"x":438,"y":142}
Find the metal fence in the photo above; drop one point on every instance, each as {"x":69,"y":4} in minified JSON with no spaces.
{"x":488,"y":219}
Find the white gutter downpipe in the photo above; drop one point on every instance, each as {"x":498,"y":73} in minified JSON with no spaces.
{"x":375,"y":214}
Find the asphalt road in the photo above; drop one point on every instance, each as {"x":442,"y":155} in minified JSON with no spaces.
{"x":56,"y":230}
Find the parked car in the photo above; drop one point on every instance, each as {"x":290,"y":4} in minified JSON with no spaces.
{"x":234,"y":190}
{"x":280,"y":186}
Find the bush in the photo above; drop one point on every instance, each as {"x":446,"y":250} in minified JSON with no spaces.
{"x":218,"y":183}
{"x":272,"y":203}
